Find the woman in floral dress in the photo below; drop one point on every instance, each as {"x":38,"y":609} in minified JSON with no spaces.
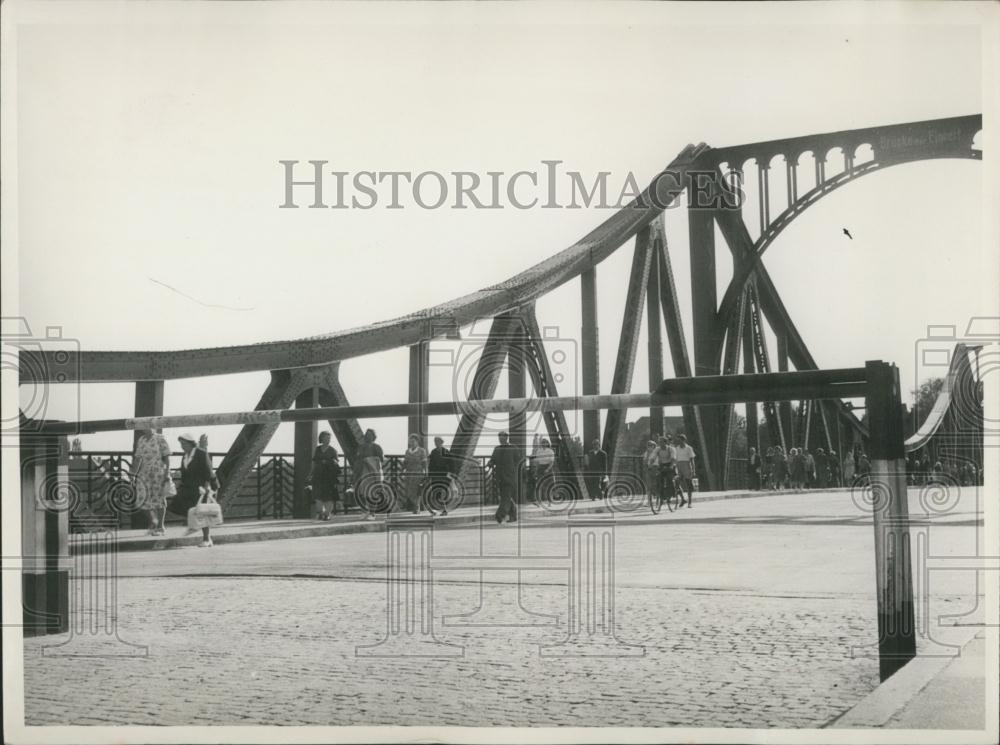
{"x":151,"y":477}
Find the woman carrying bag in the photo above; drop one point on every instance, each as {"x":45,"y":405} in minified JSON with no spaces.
{"x":195,"y":494}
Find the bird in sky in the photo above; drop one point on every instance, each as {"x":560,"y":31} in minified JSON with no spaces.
{"x":848,"y":234}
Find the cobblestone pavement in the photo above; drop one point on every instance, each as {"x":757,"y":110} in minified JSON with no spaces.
{"x":747,"y":611}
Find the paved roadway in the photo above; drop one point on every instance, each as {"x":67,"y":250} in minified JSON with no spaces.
{"x":753,"y":612}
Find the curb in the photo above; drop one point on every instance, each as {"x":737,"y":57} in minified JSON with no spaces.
{"x":81,"y":546}
{"x":891,"y":697}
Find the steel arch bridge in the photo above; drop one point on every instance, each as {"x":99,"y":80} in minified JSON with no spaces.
{"x":728,"y":335}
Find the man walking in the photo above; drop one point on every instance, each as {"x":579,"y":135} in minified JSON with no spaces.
{"x":439,"y":470}
{"x":597,"y":469}
{"x":505,"y":466}
{"x":684,"y":457}
{"x":753,"y":469}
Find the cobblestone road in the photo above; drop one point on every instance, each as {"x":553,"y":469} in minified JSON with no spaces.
{"x":748,"y":611}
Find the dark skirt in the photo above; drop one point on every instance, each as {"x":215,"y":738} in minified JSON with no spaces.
{"x":185,"y":500}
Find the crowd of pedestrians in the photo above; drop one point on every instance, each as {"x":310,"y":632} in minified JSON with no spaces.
{"x":921,"y":469}
{"x":799,"y":468}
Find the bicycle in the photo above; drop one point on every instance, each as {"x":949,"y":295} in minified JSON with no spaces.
{"x":656,"y":500}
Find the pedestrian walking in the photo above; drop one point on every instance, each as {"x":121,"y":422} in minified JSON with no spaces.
{"x":542,"y":465}
{"x":863,"y":469}
{"x":506,"y":463}
{"x":810,"y":470}
{"x":822,"y":468}
{"x":797,"y":469}
{"x":368,"y":475}
{"x":414,"y":473}
{"x":150,"y":472}
{"x":439,"y":477}
{"x":780,"y":468}
{"x":324,"y":478}
{"x":597,"y":470}
{"x":684,"y":456}
{"x":848,"y":468}
{"x":753,"y":469}
{"x":197,"y":480}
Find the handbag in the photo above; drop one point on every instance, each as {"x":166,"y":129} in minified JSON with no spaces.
{"x":207,"y":512}
{"x":170,"y":488}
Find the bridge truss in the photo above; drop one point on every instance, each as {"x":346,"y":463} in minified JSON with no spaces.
{"x":304,"y":372}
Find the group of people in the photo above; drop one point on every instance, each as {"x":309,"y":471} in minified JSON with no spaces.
{"x":921,"y":470}
{"x":427,"y":478}
{"x":801,"y":469}
{"x":156,"y":490}
{"x":669,"y":467}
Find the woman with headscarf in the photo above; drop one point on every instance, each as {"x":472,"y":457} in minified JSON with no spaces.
{"x":196,"y":478}
{"x":150,"y":473}
{"x":324,"y":476}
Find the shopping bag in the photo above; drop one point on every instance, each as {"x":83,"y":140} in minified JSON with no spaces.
{"x":206,"y":513}
{"x":170,"y":488}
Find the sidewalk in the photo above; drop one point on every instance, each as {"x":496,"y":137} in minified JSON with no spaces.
{"x":270,"y":530}
{"x":929,"y":693}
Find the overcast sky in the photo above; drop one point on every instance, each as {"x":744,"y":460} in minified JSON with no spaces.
{"x":148,"y":143}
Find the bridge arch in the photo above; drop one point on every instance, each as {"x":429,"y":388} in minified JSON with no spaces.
{"x":730,"y":300}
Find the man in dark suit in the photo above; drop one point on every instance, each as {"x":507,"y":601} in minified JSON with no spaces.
{"x":439,"y":470}
{"x":753,"y":469}
{"x":505,"y":461}
{"x":597,"y":469}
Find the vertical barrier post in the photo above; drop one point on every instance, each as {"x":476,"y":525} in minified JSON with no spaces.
{"x":45,"y":499}
{"x":894,"y":577}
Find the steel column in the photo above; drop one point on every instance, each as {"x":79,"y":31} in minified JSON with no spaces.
{"x":484,"y":385}
{"x":628,"y":343}
{"x":589,"y":355}
{"x":537,"y":364}
{"x":517,"y":421}
{"x":419,"y":389}
{"x":306,"y":434}
{"x":253,"y":438}
{"x":654,"y":343}
{"x":347,"y":431}
{"x":785,"y":407}
{"x":753,"y":434}
{"x":148,"y":402}
{"x":670,"y":306}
